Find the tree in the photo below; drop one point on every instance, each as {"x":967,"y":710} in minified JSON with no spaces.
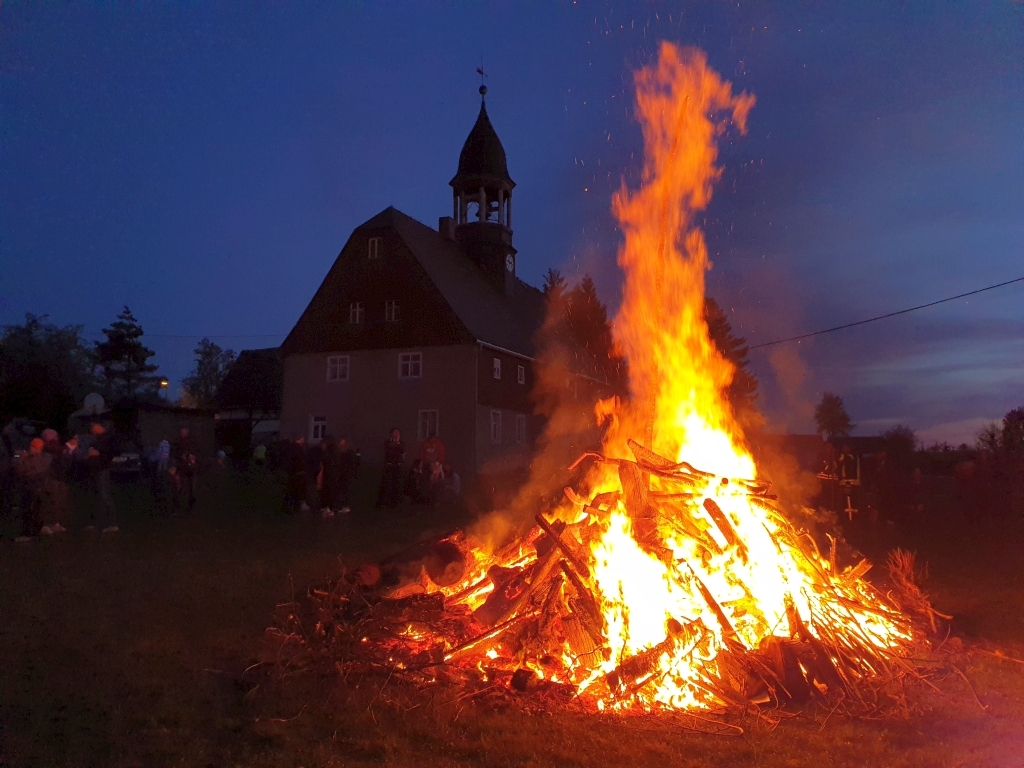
{"x":554,"y":284}
{"x":742,"y":391}
{"x":900,"y":444}
{"x":212,"y":364}
{"x":124,"y":360}
{"x":831,"y":417}
{"x":45,"y":371}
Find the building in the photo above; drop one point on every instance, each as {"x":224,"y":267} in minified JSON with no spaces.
{"x":427,"y":330}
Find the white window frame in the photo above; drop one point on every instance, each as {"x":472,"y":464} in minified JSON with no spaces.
{"x":423,"y":424}
{"x":317,"y":428}
{"x":338,"y":368}
{"x":392,"y":311}
{"x":410,"y":365}
{"x":496,"y":367}
{"x":521,"y":372}
{"x":356,"y":313}
{"x":373,"y":247}
{"x":520,"y":429}
{"x":495,"y":427}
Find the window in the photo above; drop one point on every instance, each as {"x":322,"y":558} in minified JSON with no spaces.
{"x":427,"y":425}
{"x":410,"y":365}
{"x":522,"y":374}
{"x":356,"y":313}
{"x":373,"y":248}
{"x":520,"y":427}
{"x":497,"y":368}
{"x":317,"y":428}
{"x":337,"y":368}
{"x":496,"y":427}
{"x":391,"y":312}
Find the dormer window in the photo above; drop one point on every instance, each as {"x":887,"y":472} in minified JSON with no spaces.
{"x":522,"y":374}
{"x":356,"y":313}
{"x":373,"y":248}
{"x":497,"y":368}
{"x":392,"y":313}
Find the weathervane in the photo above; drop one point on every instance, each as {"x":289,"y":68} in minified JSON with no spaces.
{"x":480,"y":71}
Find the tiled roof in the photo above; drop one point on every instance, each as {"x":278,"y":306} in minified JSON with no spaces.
{"x":488,"y":314}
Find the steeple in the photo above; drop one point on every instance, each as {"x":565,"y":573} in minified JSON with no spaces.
{"x":482,"y":200}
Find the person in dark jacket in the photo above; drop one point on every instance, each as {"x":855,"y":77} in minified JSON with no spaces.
{"x":295,"y":465}
{"x":348,"y":464}
{"x":57,"y":494}
{"x":33,"y":469}
{"x":98,"y":460}
{"x":186,"y":463}
{"x":391,"y":479}
{"x":328,"y":477}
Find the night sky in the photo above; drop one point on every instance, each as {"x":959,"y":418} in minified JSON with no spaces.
{"x":205,"y":163}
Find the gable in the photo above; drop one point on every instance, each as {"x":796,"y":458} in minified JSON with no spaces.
{"x":443,"y":296}
{"x":425,"y":319}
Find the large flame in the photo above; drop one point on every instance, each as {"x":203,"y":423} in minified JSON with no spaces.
{"x":714,"y":572}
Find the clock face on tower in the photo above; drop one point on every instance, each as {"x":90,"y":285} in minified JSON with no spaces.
{"x":510,"y":263}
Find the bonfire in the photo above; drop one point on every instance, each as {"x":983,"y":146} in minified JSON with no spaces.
{"x":670,"y":578}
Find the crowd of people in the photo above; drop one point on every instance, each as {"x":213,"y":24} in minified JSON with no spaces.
{"x":326,"y":471}
{"x":37,"y":481}
{"x":37,"y":477}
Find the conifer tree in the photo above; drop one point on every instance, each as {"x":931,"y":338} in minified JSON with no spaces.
{"x":123,"y":359}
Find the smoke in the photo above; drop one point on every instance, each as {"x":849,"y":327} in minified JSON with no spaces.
{"x":566,"y":399}
{"x":791,"y":374}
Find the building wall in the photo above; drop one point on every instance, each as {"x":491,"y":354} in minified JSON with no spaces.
{"x":511,"y":399}
{"x":373,"y":399}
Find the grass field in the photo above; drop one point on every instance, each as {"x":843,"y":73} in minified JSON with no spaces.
{"x":129,"y":650}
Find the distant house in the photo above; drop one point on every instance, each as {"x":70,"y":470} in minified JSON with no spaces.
{"x":427,"y":330}
{"x":249,"y":400}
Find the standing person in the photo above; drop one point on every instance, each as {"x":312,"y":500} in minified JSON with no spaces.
{"x":432,"y":450}
{"x":6,"y":469}
{"x":295,"y":466}
{"x":98,"y":460}
{"x":328,"y":477}
{"x":186,"y":463}
{"x":391,"y":479}
{"x":33,"y":469}
{"x":163,"y":456}
{"x":56,"y":492}
{"x":347,"y":464}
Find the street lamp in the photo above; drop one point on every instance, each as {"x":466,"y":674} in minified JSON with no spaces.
{"x":163,"y":387}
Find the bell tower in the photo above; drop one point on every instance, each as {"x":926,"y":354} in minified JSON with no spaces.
{"x":482,"y":199}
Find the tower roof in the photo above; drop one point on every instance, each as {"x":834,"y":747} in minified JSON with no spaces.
{"x":482,"y":155}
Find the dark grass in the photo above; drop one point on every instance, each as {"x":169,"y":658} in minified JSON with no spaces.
{"x":131,"y":650}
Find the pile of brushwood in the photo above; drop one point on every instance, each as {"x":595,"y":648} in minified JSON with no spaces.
{"x":524,"y":623}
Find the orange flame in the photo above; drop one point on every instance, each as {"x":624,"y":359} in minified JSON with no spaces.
{"x":716,"y":568}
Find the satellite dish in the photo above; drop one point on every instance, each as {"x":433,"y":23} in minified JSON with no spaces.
{"x":94,"y":404}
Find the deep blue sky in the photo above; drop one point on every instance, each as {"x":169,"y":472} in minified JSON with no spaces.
{"x":204,"y":164}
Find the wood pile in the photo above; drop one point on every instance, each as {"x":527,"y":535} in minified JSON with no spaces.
{"x":531,"y":617}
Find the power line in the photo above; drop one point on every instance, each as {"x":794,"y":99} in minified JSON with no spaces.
{"x":883,"y":317}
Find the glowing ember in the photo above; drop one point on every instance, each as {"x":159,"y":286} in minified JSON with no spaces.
{"x":679,"y":583}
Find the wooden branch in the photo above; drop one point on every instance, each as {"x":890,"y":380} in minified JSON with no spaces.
{"x":725,"y":527}
{"x":570,"y":555}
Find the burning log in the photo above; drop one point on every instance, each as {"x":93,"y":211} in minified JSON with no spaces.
{"x":469,"y":645}
{"x":728,"y":532}
{"x":638,"y":670}
{"x":569,"y":552}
